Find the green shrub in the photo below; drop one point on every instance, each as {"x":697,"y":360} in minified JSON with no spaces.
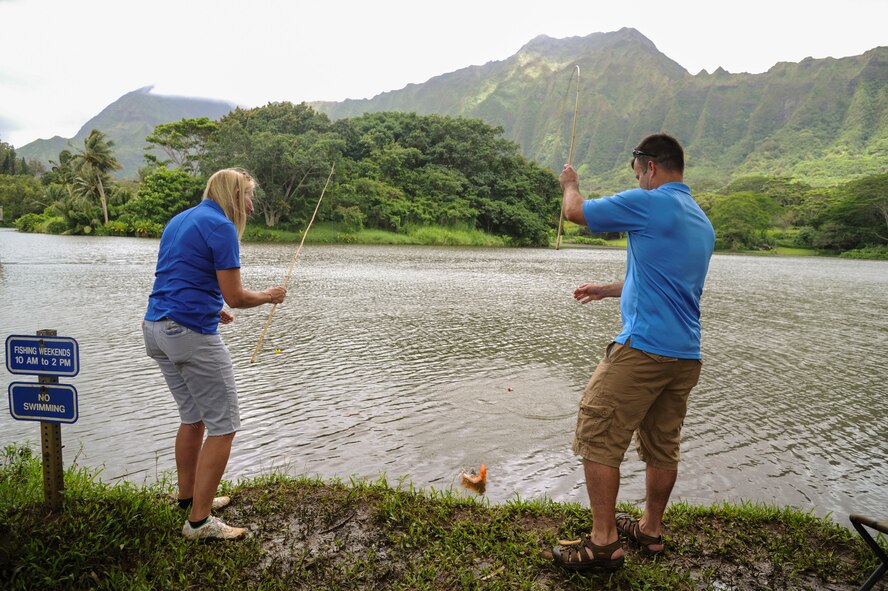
{"x":116,"y":228}
{"x":586,"y":240}
{"x":258,"y":234}
{"x":351,"y":218}
{"x":873,"y":253}
{"x":56,"y":225}
{"x":30,"y":222}
{"x":147,"y":229}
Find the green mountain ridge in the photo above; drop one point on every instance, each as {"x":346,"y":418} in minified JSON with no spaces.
{"x":820,"y":121}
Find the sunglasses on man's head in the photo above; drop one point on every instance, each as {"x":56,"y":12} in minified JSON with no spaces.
{"x":637,"y":153}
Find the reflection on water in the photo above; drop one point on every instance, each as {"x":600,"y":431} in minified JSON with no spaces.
{"x":427,"y":362}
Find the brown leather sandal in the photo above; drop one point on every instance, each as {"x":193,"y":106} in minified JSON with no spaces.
{"x":574,"y":555}
{"x":631,"y":530}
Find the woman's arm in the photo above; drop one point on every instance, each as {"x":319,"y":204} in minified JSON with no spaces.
{"x":236,"y":296}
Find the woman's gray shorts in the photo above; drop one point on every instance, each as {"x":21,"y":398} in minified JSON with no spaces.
{"x":197,"y":368}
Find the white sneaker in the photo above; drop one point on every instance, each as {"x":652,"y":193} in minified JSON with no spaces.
{"x":221,"y":502}
{"x":213,"y":528}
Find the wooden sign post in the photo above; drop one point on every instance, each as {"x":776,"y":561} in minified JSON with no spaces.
{"x":47,"y":356}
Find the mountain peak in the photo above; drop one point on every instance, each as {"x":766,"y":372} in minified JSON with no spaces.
{"x":547,"y":44}
{"x":127,"y":121}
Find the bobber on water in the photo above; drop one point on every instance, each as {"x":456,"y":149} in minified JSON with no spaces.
{"x":476,"y":481}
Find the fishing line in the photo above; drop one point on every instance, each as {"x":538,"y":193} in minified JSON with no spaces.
{"x":293,"y":263}
{"x":573,"y":137}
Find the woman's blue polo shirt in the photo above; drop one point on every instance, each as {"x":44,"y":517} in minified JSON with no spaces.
{"x":194,"y":245}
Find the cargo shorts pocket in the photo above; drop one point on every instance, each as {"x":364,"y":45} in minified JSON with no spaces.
{"x":593,"y":423}
{"x":659,"y":358}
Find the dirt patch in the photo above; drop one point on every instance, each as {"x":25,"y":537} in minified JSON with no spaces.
{"x":544,"y":525}
{"x":310,"y":532}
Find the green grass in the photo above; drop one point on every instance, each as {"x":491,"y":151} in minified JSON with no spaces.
{"x":313,"y":534}
{"x":619,"y":242}
{"x":331,"y":233}
{"x":574,"y":234}
{"x":796,"y":252}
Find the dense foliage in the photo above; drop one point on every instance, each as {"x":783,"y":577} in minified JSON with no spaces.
{"x":765,"y":212}
{"x":393,"y":171}
{"x":399,"y":172}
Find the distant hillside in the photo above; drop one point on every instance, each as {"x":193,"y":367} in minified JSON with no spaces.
{"x":821,"y":121}
{"x":127,"y":121}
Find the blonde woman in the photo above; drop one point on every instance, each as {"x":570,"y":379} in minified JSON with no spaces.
{"x":198,"y":267}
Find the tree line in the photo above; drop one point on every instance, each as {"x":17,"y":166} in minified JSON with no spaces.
{"x":397,"y":171}
{"x":12,"y":165}
{"x":394,"y":171}
{"x":762,"y":213}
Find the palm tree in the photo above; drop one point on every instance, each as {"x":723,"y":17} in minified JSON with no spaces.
{"x":95,"y":160}
{"x":63,"y":171}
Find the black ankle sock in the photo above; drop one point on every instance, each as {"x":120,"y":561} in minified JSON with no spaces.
{"x":184,"y":503}
{"x":197,"y":524}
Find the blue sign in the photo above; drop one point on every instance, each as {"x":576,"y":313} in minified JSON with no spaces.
{"x":51,"y":403}
{"x":42,"y":356}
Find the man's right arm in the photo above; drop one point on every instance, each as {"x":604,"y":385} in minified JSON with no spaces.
{"x":572,"y":199}
{"x":589,"y":292}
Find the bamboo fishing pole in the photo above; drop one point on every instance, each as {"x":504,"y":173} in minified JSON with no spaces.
{"x":570,"y":155}
{"x":293,"y":264}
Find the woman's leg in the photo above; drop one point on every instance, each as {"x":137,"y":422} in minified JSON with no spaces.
{"x":210,"y":467}
{"x":189,"y":440}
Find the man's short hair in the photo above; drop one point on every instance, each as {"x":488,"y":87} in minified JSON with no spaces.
{"x":664,"y":150}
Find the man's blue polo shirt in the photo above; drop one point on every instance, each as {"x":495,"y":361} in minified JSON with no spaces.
{"x":194,"y":245}
{"x":670,"y":244}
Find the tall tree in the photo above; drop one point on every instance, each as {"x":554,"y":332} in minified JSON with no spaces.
{"x":863,"y":207}
{"x":740,"y":219}
{"x":95,"y":160}
{"x":182,"y":141}
{"x":288,"y":148}
{"x":61,"y":172}
{"x":163,"y":194}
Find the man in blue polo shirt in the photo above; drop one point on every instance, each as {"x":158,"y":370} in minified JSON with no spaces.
{"x":641,"y":386}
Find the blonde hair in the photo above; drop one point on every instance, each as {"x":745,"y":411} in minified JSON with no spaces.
{"x":227,"y":187}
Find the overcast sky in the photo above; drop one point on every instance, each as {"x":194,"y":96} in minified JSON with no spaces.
{"x":63,"y":61}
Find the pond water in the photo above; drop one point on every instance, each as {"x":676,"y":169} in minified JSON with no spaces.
{"x":421,"y":362}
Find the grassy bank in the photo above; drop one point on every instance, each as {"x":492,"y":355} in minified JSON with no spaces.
{"x":331,"y":233}
{"x":312,"y":534}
